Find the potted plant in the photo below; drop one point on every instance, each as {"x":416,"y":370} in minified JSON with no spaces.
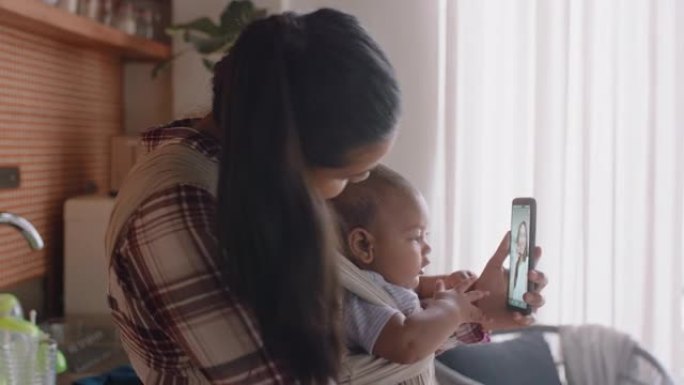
{"x":209,"y":39}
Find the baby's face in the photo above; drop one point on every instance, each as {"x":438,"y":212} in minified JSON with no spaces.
{"x":400,"y":230}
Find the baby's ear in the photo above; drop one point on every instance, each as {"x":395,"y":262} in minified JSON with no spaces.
{"x":360,"y":242}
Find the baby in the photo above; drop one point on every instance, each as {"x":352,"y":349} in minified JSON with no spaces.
{"x":383,"y":222}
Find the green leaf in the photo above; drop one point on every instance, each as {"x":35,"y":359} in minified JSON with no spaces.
{"x":174,"y":31}
{"x":208,"y":38}
{"x":184,"y":33}
{"x":208,"y":64}
{"x":204,"y":25}
{"x":237,"y":15}
{"x":206,"y":46}
{"x":160,"y":67}
{"x":164,"y":65}
{"x":259,"y":14}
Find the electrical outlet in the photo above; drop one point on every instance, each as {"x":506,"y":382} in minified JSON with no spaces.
{"x":9,"y":177}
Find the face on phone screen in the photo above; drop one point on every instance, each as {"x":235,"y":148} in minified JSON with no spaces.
{"x":519,"y":255}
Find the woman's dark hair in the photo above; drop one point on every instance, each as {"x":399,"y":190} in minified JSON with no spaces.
{"x":295,"y":92}
{"x":517,"y":239}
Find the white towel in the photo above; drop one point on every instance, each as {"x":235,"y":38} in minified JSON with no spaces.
{"x":595,"y":355}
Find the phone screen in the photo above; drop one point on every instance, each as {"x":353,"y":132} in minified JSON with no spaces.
{"x":519,"y":257}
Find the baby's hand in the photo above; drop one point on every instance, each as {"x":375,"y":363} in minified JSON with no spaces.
{"x":462,"y":300}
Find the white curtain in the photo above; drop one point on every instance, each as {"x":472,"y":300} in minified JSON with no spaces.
{"x":578,"y":103}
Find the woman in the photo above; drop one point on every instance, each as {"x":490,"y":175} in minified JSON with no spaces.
{"x":521,"y":255}
{"x":242,"y":289}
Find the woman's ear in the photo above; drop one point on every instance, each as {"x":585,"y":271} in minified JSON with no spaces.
{"x":360,"y":243}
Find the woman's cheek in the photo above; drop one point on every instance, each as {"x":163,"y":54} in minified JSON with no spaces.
{"x":333,"y":188}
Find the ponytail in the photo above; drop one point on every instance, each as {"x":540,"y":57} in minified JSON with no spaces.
{"x":273,"y":229}
{"x":274,"y":100}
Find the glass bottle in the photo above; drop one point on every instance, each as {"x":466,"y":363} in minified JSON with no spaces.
{"x":108,"y":13}
{"x":126,"y":18}
{"x":69,"y":5}
{"x":90,"y":9}
{"x":145,"y":23}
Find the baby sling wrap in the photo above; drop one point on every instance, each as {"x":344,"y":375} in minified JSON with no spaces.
{"x":364,"y":369}
{"x":174,"y":163}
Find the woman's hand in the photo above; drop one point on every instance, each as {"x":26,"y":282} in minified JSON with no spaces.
{"x":494,"y":279}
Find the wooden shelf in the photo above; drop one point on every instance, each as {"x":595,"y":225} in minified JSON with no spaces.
{"x":37,"y":17}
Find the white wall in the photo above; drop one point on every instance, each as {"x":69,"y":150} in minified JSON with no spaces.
{"x":407,"y":31}
{"x":191,"y":80}
{"x":147,"y":101}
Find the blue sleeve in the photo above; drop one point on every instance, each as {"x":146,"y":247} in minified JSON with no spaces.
{"x":363,"y":322}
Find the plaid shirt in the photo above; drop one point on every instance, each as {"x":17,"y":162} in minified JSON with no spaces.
{"x":178,"y":323}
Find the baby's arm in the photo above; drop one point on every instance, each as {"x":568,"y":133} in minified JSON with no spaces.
{"x":409,"y":339}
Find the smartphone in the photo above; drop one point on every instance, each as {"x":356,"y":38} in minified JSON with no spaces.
{"x":523,"y":229}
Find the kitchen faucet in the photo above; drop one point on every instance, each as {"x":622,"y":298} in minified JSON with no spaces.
{"x":25,"y":228}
